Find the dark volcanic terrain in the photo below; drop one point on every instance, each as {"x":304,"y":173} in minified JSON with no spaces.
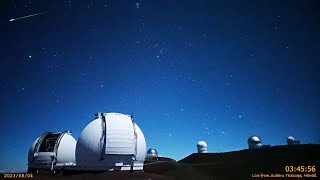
{"x":229,"y":165}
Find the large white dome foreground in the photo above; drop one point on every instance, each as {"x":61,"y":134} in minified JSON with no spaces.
{"x":112,"y":141}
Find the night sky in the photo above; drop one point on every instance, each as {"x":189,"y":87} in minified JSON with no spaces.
{"x":217,"y":71}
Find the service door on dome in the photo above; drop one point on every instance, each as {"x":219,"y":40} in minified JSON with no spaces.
{"x":119,"y":135}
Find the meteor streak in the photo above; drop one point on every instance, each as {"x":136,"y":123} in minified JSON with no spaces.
{"x":23,"y":17}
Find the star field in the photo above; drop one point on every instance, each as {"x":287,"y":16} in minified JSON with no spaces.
{"x":218,"y":71}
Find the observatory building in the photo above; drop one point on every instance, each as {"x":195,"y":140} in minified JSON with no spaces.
{"x":254,"y":142}
{"x":292,"y":141}
{"x":153,"y":157}
{"x":112,"y":141}
{"x":51,"y":151}
{"x":152,"y":153}
{"x":202,"y":147}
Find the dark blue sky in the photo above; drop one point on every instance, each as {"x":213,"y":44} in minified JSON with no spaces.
{"x":217,"y":71}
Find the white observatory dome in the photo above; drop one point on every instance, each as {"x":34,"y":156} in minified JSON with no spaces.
{"x":51,"y":151}
{"x":152,"y":153}
{"x":254,"y":142}
{"x":112,"y":141}
{"x":202,"y":147}
{"x":290,"y":140}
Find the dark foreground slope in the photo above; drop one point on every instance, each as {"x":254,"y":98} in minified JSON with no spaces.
{"x":242,"y":164}
{"x":230,"y":165}
{"x":247,"y":163}
{"x":104,"y":176}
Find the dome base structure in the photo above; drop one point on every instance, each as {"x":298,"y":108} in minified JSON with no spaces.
{"x":110,"y":163}
{"x":51,"y":151}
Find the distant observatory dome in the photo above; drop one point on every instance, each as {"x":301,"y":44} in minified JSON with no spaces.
{"x":292,"y":141}
{"x":51,"y":151}
{"x":202,"y":147}
{"x":152,"y":153}
{"x":112,"y":141}
{"x":254,"y":142}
